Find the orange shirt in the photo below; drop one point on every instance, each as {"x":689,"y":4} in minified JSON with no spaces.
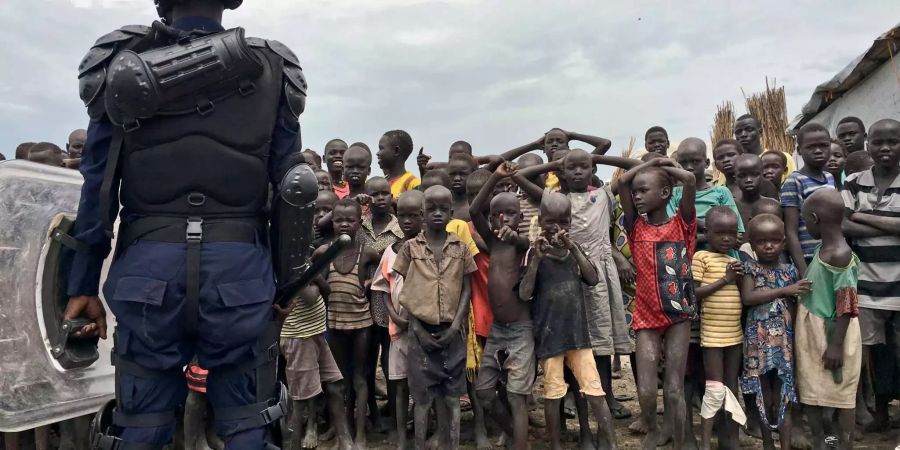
{"x":481,"y":305}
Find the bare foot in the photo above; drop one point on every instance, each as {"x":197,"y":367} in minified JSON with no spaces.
{"x":432,"y":444}
{"x":665,"y":435}
{"x":311,"y":439}
{"x":863,"y":416}
{"x":344,"y":444}
{"x":327,"y":435}
{"x":649,"y":442}
{"x":361,"y":443}
{"x":587,"y":444}
{"x":638,"y":426}
{"x":481,"y":440}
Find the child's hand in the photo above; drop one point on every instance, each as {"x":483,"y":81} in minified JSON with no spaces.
{"x":507,"y":234}
{"x":507,"y":169}
{"x":363,"y":199}
{"x":627,"y":272}
{"x":566,"y":241}
{"x":539,"y":246}
{"x":426,"y":340}
{"x":281,"y":312}
{"x":422,"y":159}
{"x":799,"y":288}
{"x":734,"y":270}
{"x":833,"y":358}
{"x":445,"y":337}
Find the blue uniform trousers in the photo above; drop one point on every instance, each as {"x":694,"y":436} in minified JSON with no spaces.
{"x":145,"y":290}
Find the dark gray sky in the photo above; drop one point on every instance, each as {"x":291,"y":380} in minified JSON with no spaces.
{"x":495,"y":73}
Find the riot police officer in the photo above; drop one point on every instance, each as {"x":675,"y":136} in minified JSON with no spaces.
{"x":191,"y":127}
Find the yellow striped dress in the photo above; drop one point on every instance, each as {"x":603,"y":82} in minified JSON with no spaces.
{"x":720,"y":313}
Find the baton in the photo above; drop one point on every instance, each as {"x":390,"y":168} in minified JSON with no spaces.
{"x":286,"y":292}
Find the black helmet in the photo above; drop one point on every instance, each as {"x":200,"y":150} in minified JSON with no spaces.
{"x":164,"y":6}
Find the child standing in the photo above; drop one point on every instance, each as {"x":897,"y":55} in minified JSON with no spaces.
{"x":555,"y":280}
{"x":334,"y":162}
{"x":436,"y":268}
{"x":768,"y":290}
{"x":459,"y":168}
{"x":662,"y":247}
{"x":591,"y":216}
{"x":394,"y":148}
{"x":837,"y":156}
{"x":510,"y":344}
{"x":827,"y":328}
{"x":387,"y":286}
{"x":715,"y":275}
{"x":357,"y":165}
{"x":310,"y":366}
{"x":379,"y":231}
{"x":529,"y":204}
{"x":813,"y":143}
{"x":774,"y":165}
{"x":349,"y":316}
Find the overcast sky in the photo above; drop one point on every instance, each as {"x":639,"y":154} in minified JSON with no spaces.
{"x":495,"y":73}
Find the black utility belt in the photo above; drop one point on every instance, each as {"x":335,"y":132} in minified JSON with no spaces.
{"x":193,"y":230}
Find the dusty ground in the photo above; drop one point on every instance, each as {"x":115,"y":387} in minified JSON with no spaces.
{"x":626,"y":439}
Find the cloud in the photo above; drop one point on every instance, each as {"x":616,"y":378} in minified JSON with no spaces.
{"x":497,"y":74}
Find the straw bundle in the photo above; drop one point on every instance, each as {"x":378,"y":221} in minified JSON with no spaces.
{"x":770,"y":108}
{"x":626,"y":153}
{"x":723,"y":127}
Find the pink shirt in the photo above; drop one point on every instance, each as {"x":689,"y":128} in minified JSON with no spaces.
{"x":390,"y":282}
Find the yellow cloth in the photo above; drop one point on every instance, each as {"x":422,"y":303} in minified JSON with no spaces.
{"x":461,"y":229}
{"x":815,"y":384}
{"x":473,"y":349}
{"x":552,"y":181}
{"x":582,"y":364}
{"x":720,"y":313}
{"x":403,"y":183}
{"x":791,"y":168}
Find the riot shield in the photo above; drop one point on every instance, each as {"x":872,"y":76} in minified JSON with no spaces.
{"x":45,"y":375}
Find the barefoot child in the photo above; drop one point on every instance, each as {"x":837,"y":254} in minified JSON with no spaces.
{"x":436,"y":268}
{"x":813,"y":143}
{"x":769,"y":289}
{"x":394,"y":149}
{"x":349,"y":315}
{"x":386,"y":286}
{"x":310,"y":366}
{"x":459,"y":168}
{"x":591,"y":216}
{"x":557,"y":275}
{"x":510,"y":344}
{"x":827,"y":328}
{"x":774,"y":166}
{"x":872,"y":198}
{"x":715,"y":275}
{"x":379,"y":231}
{"x":662,"y":247}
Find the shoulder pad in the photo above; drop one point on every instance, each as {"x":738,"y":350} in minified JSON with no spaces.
{"x":256,"y":42}
{"x":92,"y":69}
{"x":296,"y":99}
{"x":295,"y":77}
{"x":283,"y":51}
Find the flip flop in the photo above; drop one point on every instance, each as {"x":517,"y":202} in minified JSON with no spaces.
{"x":621,"y":412}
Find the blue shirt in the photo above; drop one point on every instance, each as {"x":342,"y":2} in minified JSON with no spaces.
{"x":84,"y":277}
{"x":796,"y":188}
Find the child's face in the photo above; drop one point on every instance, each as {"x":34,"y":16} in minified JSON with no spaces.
{"x":722,"y":233}
{"x":388,"y":153}
{"x":310,"y":159}
{"x":438,"y":211}
{"x":724,"y":156}
{"x":552,"y":224}
{"x":324,"y":205}
{"x":334,"y":156}
{"x":323,"y":179}
{"x":649,"y":192}
{"x":356,"y":166}
{"x":576,"y":170}
{"x":459,"y":171}
{"x":772,"y":168}
{"x":836,"y":159}
{"x":851,"y":136}
{"x":345,"y":220}
{"x":380,"y":192}
{"x":409,"y":216}
{"x":553,"y":141}
{"x":884,"y":146}
{"x":767,"y":241}
{"x":746,"y":131}
{"x":657,"y":142}
{"x":694,"y":161}
{"x":815,"y":149}
{"x":505,"y":212}
{"x":748,"y":175}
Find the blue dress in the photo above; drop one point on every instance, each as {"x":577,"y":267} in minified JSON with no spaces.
{"x":769,"y":337}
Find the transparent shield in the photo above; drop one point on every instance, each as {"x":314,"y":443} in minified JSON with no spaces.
{"x":35,"y":387}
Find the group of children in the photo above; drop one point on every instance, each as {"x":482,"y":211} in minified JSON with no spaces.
{"x":493,"y":270}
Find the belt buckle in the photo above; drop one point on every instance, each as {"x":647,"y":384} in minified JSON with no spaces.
{"x":194,"y":232}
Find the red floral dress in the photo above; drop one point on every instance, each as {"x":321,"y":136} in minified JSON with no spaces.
{"x":662,"y":256}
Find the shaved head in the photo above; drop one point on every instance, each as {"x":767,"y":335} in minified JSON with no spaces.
{"x":826,"y":204}
{"x":438,"y":193}
{"x":692,"y":144}
{"x":554,"y":204}
{"x":411,"y":199}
